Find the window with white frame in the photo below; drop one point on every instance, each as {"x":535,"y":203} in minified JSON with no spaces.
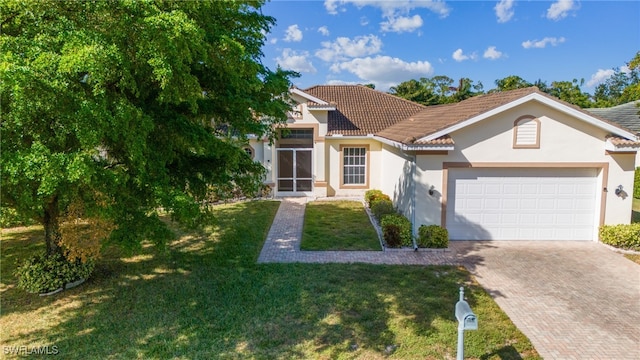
{"x":354,"y":165}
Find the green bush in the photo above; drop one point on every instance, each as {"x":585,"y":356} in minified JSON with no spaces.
{"x":9,"y":217}
{"x":372,"y":195}
{"x":391,"y":234}
{"x":636,"y":184}
{"x":389,"y":223}
{"x":382,"y":207}
{"x":42,"y":273}
{"x":433,"y":236}
{"x":625,"y":236}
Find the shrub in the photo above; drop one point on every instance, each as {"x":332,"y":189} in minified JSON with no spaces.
{"x":391,"y":234}
{"x":403,"y":225}
{"x":625,"y":236}
{"x":9,"y":217}
{"x":382,"y":207}
{"x":433,"y":236}
{"x":372,"y":195}
{"x":42,"y":273}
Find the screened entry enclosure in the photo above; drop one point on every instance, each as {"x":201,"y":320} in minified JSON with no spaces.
{"x":295,"y":161}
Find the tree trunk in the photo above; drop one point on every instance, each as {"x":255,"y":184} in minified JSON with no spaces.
{"x":52,"y":227}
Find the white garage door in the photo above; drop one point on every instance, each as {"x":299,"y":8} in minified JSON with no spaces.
{"x":521,"y":204}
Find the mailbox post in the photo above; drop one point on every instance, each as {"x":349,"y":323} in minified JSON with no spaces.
{"x":467,"y":320}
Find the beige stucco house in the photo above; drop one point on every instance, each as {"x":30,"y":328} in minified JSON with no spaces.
{"x":515,"y":165}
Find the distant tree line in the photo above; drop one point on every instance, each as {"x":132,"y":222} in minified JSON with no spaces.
{"x":622,"y":87}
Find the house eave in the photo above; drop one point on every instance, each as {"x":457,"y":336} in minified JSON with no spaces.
{"x":308,"y":97}
{"x":410,"y":148}
{"x":613,"y":148}
{"x":321,"y":108}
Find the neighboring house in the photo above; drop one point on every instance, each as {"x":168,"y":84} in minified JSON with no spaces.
{"x":627,"y":115}
{"x":515,"y":165}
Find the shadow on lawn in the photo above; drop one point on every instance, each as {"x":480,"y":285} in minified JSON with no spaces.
{"x":206,"y":297}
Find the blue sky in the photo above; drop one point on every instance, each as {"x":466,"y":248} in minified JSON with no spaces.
{"x":388,"y":42}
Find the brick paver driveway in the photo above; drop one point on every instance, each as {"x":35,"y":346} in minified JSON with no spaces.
{"x":574,"y":300}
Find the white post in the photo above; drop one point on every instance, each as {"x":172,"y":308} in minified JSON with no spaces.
{"x":460,"y":355}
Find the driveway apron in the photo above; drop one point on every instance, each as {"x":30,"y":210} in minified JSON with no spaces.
{"x":574,"y":300}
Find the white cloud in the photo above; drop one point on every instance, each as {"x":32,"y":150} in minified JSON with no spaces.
{"x":504,"y":10}
{"x":331,"y":6}
{"x":341,"y":82}
{"x":599,"y":77}
{"x":492,"y":53}
{"x":343,"y":48}
{"x":296,"y":61}
{"x":323,"y":30}
{"x":541,"y":44}
{"x":560,"y":9}
{"x":401,"y":24}
{"x":364,"y":21}
{"x":459,"y":56}
{"x":396,"y":13}
{"x":293,"y":33}
{"x":273,"y":41}
{"x":384,"y":71}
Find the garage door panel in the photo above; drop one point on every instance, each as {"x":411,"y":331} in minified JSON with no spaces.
{"x":521,"y":204}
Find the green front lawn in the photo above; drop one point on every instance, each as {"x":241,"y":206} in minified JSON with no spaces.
{"x":338,"y":225}
{"x":206,"y":297}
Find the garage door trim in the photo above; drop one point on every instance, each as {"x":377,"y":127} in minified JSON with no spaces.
{"x":603,"y":168}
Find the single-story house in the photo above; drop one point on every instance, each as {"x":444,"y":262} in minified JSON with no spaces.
{"x":514,"y":165}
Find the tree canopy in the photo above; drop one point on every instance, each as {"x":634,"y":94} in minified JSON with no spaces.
{"x":622,"y":87}
{"x":114,"y":109}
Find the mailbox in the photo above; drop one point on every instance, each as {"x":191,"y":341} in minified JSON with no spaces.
{"x":466,"y":318}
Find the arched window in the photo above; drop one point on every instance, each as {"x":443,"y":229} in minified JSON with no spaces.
{"x":249,"y":151}
{"x":526,"y":133}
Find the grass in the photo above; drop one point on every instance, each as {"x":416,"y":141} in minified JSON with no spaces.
{"x":338,"y":225}
{"x":206,"y":297}
{"x":633,"y":257}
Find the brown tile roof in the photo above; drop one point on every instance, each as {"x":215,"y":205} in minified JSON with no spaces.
{"x":361,"y":110}
{"x":436,"y":118}
{"x":618,"y":141}
{"x":442,"y":140}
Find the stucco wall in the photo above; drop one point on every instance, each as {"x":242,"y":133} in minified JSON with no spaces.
{"x":333,"y":166}
{"x":396,"y":178}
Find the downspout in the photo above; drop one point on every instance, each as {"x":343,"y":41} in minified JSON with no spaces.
{"x":413,"y":201}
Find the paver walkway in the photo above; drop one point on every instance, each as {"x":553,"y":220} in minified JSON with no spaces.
{"x":283,"y":245}
{"x":574,"y":300}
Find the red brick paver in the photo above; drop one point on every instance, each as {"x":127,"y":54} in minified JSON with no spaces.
{"x":574,"y":300}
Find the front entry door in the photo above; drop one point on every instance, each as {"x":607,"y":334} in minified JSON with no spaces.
{"x":294,"y":170}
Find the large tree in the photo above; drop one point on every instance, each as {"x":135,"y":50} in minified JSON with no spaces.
{"x":570,"y":92}
{"x":511,"y":82}
{"x":622,"y":87}
{"x":436,"y":90}
{"x":116,"y":108}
